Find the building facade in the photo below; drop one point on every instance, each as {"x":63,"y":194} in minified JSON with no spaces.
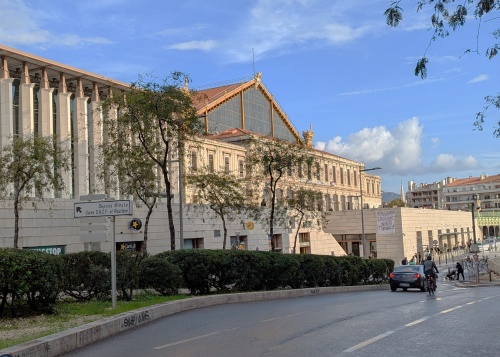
{"x":40,"y":96}
{"x":482,"y":193}
{"x":395,"y":233}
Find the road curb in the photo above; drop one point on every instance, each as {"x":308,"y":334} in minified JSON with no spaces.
{"x":77,"y":337}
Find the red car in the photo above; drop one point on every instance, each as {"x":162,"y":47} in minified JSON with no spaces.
{"x":407,"y":277}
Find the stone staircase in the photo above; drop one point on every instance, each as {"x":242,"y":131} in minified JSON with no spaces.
{"x":491,"y":276}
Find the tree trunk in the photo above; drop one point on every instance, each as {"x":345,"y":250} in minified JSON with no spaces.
{"x":225,"y":231}
{"x":297,"y":233}
{"x":271,"y":220}
{"x":170,"y":216}
{"x":144,"y":248}
{"x":16,"y":220}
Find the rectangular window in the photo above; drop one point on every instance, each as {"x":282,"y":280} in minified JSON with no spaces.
{"x":289,"y":168}
{"x":349,"y":177}
{"x":241,"y":168}
{"x":300,"y":170}
{"x":211,"y":163}
{"x":309,"y":171}
{"x":355,"y":174}
{"x":334,"y":175}
{"x":194,"y":162}
{"x":341,"y":176}
{"x":226,"y":165}
{"x":318,"y":170}
{"x":326,"y":172}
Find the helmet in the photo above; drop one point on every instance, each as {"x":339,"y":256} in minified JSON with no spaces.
{"x":429,"y":257}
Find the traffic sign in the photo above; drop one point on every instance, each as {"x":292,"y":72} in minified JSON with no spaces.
{"x":103,"y":208}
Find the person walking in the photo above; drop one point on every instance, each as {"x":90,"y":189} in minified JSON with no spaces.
{"x":460,"y":270}
{"x":404,"y":261}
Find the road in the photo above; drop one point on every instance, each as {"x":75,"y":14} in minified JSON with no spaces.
{"x":454,"y":322}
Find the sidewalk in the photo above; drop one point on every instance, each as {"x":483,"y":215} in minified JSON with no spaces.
{"x":470,"y":279}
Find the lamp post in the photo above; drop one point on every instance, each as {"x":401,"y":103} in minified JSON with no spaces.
{"x":474,"y":198}
{"x":363,"y":238}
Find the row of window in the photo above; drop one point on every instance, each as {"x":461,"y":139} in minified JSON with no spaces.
{"x":241,"y":171}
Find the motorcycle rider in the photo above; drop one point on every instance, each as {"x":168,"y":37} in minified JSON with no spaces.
{"x":429,"y":267}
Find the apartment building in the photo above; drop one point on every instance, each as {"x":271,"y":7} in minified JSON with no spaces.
{"x":427,"y":195}
{"x":482,"y":193}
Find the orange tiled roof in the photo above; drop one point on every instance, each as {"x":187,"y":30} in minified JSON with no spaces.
{"x":474,"y":181}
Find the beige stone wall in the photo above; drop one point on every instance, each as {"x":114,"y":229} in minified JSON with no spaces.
{"x":414,"y":229}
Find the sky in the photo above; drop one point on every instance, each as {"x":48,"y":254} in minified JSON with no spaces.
{"x":334,"y":64}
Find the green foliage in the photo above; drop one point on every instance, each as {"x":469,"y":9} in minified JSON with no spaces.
{"x":28,"y":281}
{"x":447,"y":15}
{"x":161,"y":275}
{"x":31,"y":165}
{"x":396,"y":203}
{"x":269,"y":161}
{"x":222,"y":192}
{"x":150,"y":124}
{"x":128,"y":272}
{"x":31,"y":281}
{"x":86,"y":275}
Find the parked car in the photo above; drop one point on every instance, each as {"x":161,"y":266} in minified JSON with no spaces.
{"x":407,"y":277}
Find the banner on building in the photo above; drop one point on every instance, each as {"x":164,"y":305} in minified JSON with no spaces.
{"x":385,"y":222}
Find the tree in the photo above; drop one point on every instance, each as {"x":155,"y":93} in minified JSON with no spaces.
{"x":160,"y":118}
{"x":269,"y":161}
{"x":31,"y":166}
{"x":222,"y":192}
{"x":396,"y":203}
{"x":301,"y":204}
{"x":134,"y":175}
{"x":444,"y":18}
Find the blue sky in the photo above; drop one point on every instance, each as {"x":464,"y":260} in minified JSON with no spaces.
{"x":332,"y":63}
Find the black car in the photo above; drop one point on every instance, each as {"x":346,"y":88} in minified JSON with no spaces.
{"x":407,"y":276}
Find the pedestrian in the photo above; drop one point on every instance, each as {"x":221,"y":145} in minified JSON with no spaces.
{"x":419,"y":258}
{"x":412,"y":261}
{"x":404,"y":261}
{"x":460,"y":270}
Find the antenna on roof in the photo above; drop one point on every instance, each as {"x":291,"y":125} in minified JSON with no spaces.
{"x":253,"y":62}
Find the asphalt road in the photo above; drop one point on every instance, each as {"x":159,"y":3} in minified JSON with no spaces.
{"x":453,"y":322}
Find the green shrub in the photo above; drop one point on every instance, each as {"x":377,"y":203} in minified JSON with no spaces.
{"x":86,"y":275}
{"x":28,"y":281}
{"x":127,"y":272}
{"x":158,"y":273}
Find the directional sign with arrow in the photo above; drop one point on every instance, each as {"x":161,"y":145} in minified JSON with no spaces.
{"x":103,"y":208}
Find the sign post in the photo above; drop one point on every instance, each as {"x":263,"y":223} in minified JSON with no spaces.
{"x":106,"y":209}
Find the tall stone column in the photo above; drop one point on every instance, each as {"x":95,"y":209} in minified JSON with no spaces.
{"x":45,"y":110}
{"x":63,"y":132}
{"x":6,"y":111}
{"x":80,"y":143}
{"x":95,"y":141}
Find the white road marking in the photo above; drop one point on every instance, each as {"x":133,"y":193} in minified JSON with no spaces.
{"x":410,"y":324}
{"x":193,"y":339}
{"x":282,"y":317}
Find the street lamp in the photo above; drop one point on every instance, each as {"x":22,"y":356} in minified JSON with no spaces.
{"x":362,"y":216}
{"x":474,"y":198}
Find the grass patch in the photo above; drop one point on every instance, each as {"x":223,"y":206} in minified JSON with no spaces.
{"x":68,"y":314}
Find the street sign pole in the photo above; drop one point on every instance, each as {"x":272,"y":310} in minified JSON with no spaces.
{"x":113,"y":265}
{"x":106,"y":209}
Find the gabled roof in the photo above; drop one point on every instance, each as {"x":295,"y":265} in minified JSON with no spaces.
{"x":205,"y":100}
{"x":474,"y":181}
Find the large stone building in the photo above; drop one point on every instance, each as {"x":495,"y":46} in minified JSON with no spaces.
{"x":400,"y":232}
{"x":41,"y":96}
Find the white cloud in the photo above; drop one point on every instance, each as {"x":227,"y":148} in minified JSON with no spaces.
{"x":194,"y":45}
{"x":397,"y":151}
{"x":274,"y":28}
{"x":480,"y":78}
{"x":23,"y":25}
